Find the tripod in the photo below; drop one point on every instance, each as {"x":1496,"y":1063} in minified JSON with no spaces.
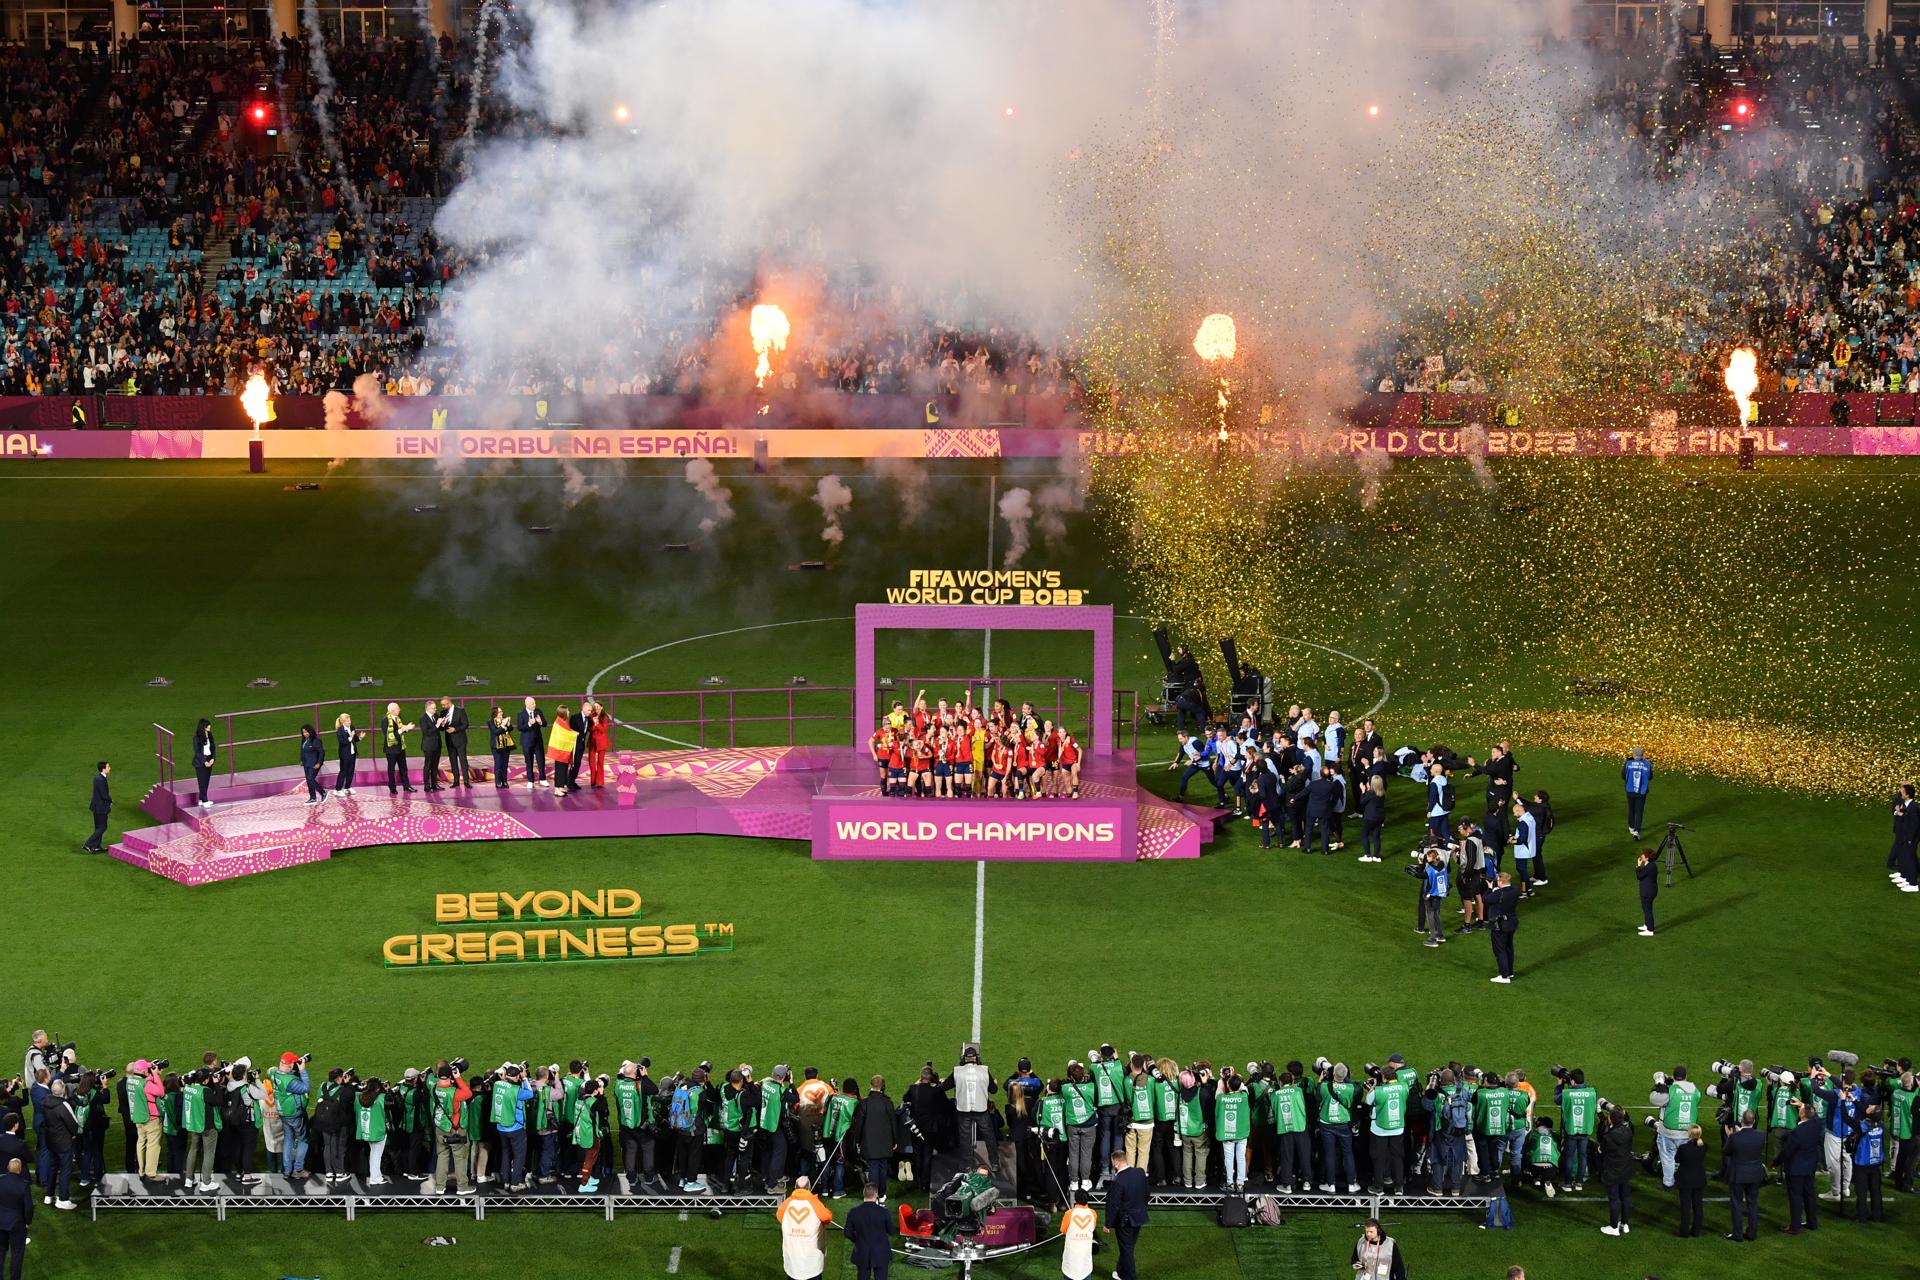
{"x":1671,"y":849}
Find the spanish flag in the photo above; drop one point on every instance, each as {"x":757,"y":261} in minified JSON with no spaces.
{"x":560,"y":740}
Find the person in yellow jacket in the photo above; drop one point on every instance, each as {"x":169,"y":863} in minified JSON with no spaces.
{"x":803,"y":1222}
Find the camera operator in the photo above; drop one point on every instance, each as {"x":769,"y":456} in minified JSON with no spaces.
{"x":1498,"y":1115}
{"x":241,"y":1103}
{"x":1838,"y":1106}
{"x":1869,"y":1156}
{"x":1579,"y":1104}
{"x":634,"y":1095}
{"x":546,"y":1115}
{"x":1336,"y":1097}
{"x":1616,"y":1170}
{"x":40,"y":1056}
{"x":589,"y":1127}
{"x":1109,"y":1095}
{"x":1433,"y":899}
{"x":774,"y":1120}
{"x":971,"y":1084}
{"x":370,"y":1127}
{"x":90,"y":1102}
{"x":1677,"y":1100}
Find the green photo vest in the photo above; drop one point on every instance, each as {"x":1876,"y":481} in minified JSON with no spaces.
{"x":1143,"y":1101}
{"x":285,"y":1100}
{"x":1390,"y":1107}
{"x":443,"y":1104}
{"x":1780,"y":1109}
{"x":1545,"y":1149}
{"x":570,"y":1098}
{"x":1191,"y":1122}
{"x":628,"y":1103}
{"x":505,"y":1103}
{"x":730,"y":1111}
{"x":135,"y":1088}
{"x":1683,"y":1107}
{"x":1579,"y":1110}
{"x":1494,"y":1103}
{"x":1903,"y":1112}
{"x":772,"y":1102}
{"x":839,"y":1117}
{"x":1109,"y":1081}
{"x":1289,"y":1109}
{"x":1080,"y":1106}
{"x":586,"y":1124}
{"x":1336,"y":1103}
{"x":1165,"y":1100}
{"x":193,"y":1109}
{"x":1053,"y":1112}
{"x":1232,"y":1116}
{"x":370,"y":1120}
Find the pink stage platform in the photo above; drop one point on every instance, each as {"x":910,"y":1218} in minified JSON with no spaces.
{"x":261,"y":821}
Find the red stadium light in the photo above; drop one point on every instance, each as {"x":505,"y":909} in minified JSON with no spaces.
{"x":1743,"y":108}
{"x":259,"y":113}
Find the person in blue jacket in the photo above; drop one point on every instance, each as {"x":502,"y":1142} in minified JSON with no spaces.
{"x":1637,"y":773}
{"x":312,"y":755}
{"x":1869,"y":1157}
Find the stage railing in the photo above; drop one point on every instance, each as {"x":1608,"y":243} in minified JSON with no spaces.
{"x":163,"y":753}
{"x":693,"y":718}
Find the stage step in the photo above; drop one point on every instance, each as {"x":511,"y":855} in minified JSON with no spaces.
{"x":148,"y":839}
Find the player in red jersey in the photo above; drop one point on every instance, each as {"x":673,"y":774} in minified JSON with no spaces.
{"x":897,"y":766}
{"x":999,"y":763}
{"x":1069,"y":762}
{"x":880,"y":747}
{"x":920,"y":764}
{"x":960,"y":759}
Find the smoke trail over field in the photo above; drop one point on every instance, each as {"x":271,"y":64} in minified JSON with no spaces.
{"x":834,"y":500}
{"x":701,"y":475}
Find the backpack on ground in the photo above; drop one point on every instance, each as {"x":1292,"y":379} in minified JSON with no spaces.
{"x":1233,"y":1211}
{"x":1266,"y":1211}
{"x":1499,"y":1214}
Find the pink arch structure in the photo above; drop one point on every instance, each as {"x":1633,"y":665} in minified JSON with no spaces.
{"x":1094,"y":618}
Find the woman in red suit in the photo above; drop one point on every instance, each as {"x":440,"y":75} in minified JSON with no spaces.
{"x":597,"y":745}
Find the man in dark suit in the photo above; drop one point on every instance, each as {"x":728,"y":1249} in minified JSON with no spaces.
{"x":874,"y":1135}
{"x":532,"y":728}
{"x":1800,"y":1157}
{"x":455,"y":720}
{"x":1367,"y":745}
{"x":101,"y":805}
{"x":869,"y":1229}
{"x":433,"y":723}
{"x":1503,"y":918}
{"x":12,"y":1145}
{"x":1744,"y":1154}
{"x":16,"y":1215}
{"x":1126,"y":1211}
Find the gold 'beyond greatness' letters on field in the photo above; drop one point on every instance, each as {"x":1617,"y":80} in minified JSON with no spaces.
{"x":985,"y":586}
{"x":545,"y":926}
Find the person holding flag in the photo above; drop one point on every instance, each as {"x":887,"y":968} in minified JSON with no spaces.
{"x":561,"y":740}
{"x":803,"y":1223}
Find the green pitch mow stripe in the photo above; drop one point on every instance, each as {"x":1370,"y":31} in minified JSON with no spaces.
{"x":1291,"y":1251}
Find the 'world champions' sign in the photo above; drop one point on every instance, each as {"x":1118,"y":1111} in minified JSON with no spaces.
{"x":548,"y":926}
{"x":883,"y":828}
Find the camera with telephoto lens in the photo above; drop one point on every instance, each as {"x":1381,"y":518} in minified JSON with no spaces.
{"x":458,"y":1064}
{"x":1372,"y":1070}
{"x":159,"y":1064}
{"x":107,"y":1073}
{"x":1561,"y":1073}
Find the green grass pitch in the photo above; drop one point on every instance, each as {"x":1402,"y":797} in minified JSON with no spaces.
{"x":1787,"y":942}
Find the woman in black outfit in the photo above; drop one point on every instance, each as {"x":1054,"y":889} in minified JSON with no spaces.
{"x":203,"y":758}
{"x":500,"y":736}
{"x":1648,"y":872}
{"x":1373,"y":816}
{"x":1690,"y":1179}
{"x":1616,"y":1170}
{"x":347,"y":751}
{"x":311,"y":757}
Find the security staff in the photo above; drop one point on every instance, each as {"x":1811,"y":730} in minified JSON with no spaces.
{"x":100,"y":806}
{"x":1743,"y":1153}
{"x":971,"y":1084}
{"x":1637,"y":774}
{"x":1503,"y":920}
{"x":396,"y":741}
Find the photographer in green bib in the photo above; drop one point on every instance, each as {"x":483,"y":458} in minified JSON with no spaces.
{"x":450,"y":1138}
{"x":1079,"y":1092}
{"x":771,"y":1122}
{"x":1903,"y":1098}
{"x":290,"y":1090}
{"x":200,"y":1119}
{"x":568,"y":1111}
{"x":1193,"y":1102}
{"x":1677,"y":1103}
{"x":1110,"y":1096}
{"x":736,"y":1137}
{"x":1165,"y":1156}
{"x":1579,"y":1116}
{"x":1140,"y":1111}
{"x":634,"y":1099}
{"x":1498,"y":1115}
{"x":1233,"y":1126}
{"x":836,"y":1121}
{"x":1293,"y":1155}
{"x":370,"y":1120}
{"x":1335,"y":1098}
{"x":413,"y":1112}
{"x":544,"y":1122}
{"x":507,"y":1104}
{"x":1783,"y":1107}
{"x":589,"y":1126}
{"x":1386,"y":1097}
{"x":1738,"y":1091}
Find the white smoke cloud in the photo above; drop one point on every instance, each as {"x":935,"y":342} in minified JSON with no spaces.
{"x":701,"y":475}
{"x":1016,"y":508}
{"x":1052,"y":504}
{"x":833,"y":498}
{"x":1373,"y":463}
{"x":1473,"y":444}
{"x":912,"y":485}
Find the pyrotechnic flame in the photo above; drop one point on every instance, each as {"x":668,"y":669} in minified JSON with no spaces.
{"x":1743,"y":380}
{"x":1216,"y":339}
{"x":770,"y":330}
{"x":257,"y":400}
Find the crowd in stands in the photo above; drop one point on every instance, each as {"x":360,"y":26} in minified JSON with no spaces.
{"x":149,"y":241}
